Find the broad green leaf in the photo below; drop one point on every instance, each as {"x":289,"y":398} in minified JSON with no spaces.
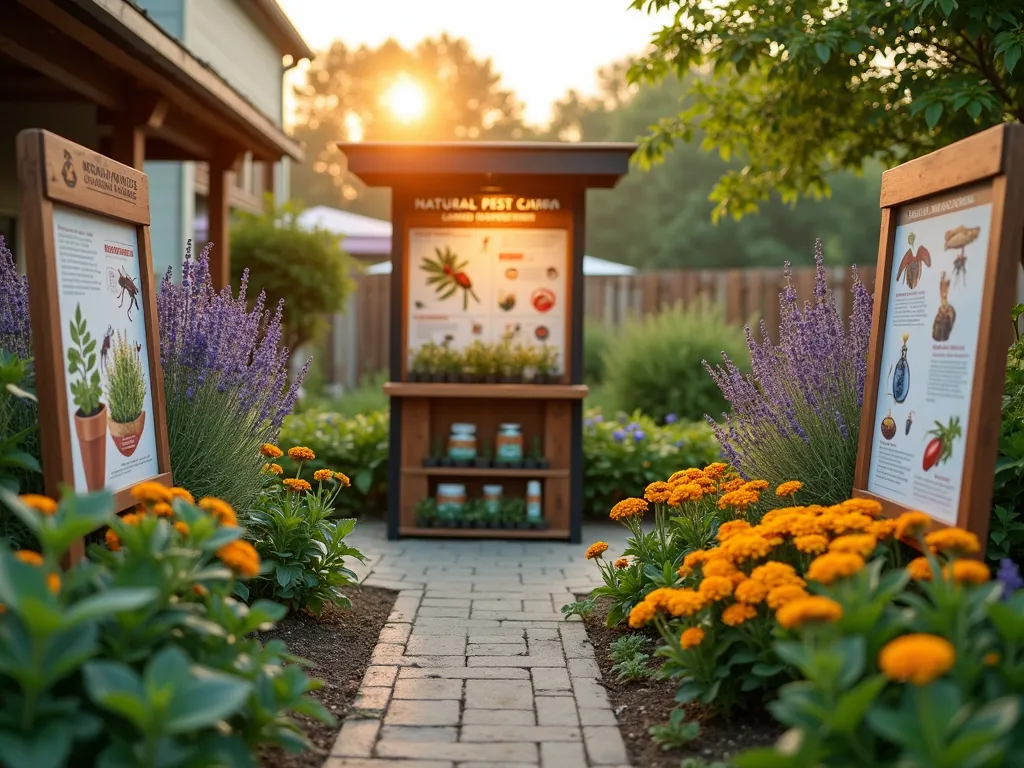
{"x":201,"y":703}
{"x":933,"y":114}
{"x":110,"y":601}
{"x":854,"y":704}
{"x":43,"y":747}
{"x":823,"y":51}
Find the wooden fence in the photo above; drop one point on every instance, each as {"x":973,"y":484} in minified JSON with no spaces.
{"x":358,"y":346}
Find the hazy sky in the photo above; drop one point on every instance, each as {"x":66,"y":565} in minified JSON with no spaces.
{"x":542,"y":48}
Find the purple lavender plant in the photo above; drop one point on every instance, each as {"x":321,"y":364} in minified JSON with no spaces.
{"x":797,"y":414}
{"x":15,"y":329}
{"x":225,"y":380}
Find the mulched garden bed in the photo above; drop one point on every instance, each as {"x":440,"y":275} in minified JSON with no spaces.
{"x":339,"y":644}
{"x":639,"y":705}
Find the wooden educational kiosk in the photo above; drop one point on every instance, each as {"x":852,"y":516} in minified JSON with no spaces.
{"x":522,"y":206}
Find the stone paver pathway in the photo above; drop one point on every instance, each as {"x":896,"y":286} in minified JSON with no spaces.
{"x":476,"y":667}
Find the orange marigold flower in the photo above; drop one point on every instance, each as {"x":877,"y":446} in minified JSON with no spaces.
{"x":657,"y":492}
{"x":738,"y":500}
{"x":732,"y":528}
{"x":832,"y":566}
{"x":301,"y":453}
{"x":682,"y":571}
{"x":756,"y":485}
{"x":271,"y":451}
{"x":746,"y":546}
{"x":968,"y":572}
{"x":953,"y":541}
{"x":684,"y":602}
{"x":627,"y":508}
{"x":272,"y":469}
{"x":684,"y":492}
{"x":150,"y":492}
{"x":851,"y":521}
{"x":715,"y":470}
{"x":658,"y":598}
{"x":676,"y":476}
{"x":29,"y":557}
{"x":181,"y":528}
{"x":3,"y":609}
{"x":218,"y":509}
{"x":805,"y":525}
{"x":862,"y":544}
{"x":868,"y":507}
{"x":775,"y":574}
{"x":784,"y":594}
{"x":181,"y":493}
{"x":691,"y":638}
{"x":44,"y":505}
{"x":737,"y":613}
{"x":715,"y":588}
{"x":240,"y":556}
{"x":882,"y":529}
{"x":719,"y":566}
{"x":296,"y":484}
{"x":597,"y":549}
{"x":163,"y":509}
{"x":695,"y":558}
{"x":113,"y":540}
{"x":811,"y":543}
{"x":751,"y":592}
{"x":910,"y":524}
{"x":693,"y":473}
{"x":322,"y":474}
{"x":342,"y":479}
{"x":640,"y":614}
{"x":53,"y":582}
{"x":917,"y":658}
{"x":808,"y":609}
{"x":622,"y":563}
{"x":990,"y":659}
{"x":788,"y":488}
{"x":920,"y":569}
{"x":733,"y":485}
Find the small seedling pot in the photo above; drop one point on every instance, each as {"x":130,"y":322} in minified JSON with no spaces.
{"x":437,"y":378}
{"x":490,"y":378}
{"x":540,"y":378}
{"x":424,"y":522}
{"x":463,"y":463}
{"x":430,"y":461}
{"x":481,"y":463}
{"x":452,"y":378}
{"x":539,"y":525}
{"x":447,"y":462}
{"x":543,"y":464}
{"x":529,"y":463}
{"x":469,"y":378}
{"x":523,"y":526}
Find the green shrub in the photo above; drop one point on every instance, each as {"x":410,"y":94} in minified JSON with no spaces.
{"x":357,"y":446}
{"x":626,"y":453}
{"x":302,"y":550}
{"x":1006,"y":534}
{"x":140,"y":655}
{"x":655,"y":364}
{"x":367,"y":397}
{"x":126,"y":382}
{"x":307,"y":269}
{"x":597,"y":340}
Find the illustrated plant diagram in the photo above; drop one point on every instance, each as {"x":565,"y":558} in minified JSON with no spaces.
{"x":960,"y":237}
{"x":86,"y":389}
{"x":910,"y":266}
{"x":128,"y":287}
{"x":940,"y":447}
{"x":126,"y":382}
{"x":946,"y":315}
{"x":447,"y":275}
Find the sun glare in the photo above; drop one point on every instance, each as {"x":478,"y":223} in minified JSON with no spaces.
{"x":407,"y":100}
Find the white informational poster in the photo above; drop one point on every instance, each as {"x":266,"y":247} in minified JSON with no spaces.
{"x":106,"y":357}
{"x":929,"y":351}
{"x":467,"y":284}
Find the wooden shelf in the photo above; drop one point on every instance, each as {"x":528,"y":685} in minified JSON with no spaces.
{"x":495,"y":391}
{"x":484,"y":533}
{"x":478,"y":472}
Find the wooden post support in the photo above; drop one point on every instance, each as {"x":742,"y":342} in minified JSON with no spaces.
{"x":128,"y":142}
{"x":219,"y":213}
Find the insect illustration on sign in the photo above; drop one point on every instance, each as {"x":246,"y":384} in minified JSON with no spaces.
{"x":138,"y":347}
{"x":910,"y":422}
{"x":910,"y":267}
{"x":448,"y":275}
{"x":901,"y":378}
{"x":961,"y":237}
{"x":127,"y":284}
{"x":106,"y":346}
{"x":486,"y":242}
{"x":888,"y":427}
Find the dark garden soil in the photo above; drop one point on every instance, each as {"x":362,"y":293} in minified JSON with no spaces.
{"x":639,"y":705}
{"x":339,"y":644}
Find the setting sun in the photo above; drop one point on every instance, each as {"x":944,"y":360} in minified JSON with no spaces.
{"x":407,"y":100}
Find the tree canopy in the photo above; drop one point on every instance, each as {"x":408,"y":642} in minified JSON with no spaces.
{"x":661,"y":218}
{"x":798,"y":89}
{"x":345,"y":98}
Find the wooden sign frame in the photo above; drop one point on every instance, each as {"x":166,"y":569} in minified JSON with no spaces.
{"x":53,"y":171}
{"x":992,"y":163}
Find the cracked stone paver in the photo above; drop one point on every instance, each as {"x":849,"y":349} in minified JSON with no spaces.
{"x":476,"y":667}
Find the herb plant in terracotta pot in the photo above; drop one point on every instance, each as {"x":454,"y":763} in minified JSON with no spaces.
{"x":126,"y":393}
{"x":91,"y":416}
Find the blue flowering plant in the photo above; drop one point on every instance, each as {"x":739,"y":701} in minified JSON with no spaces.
{"x":226,"y":381}
{"x":797,"y":414}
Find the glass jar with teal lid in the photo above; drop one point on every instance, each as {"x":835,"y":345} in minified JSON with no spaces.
{"x":462,"y":442}
{"x":509,"y":443}
{"x":451,"y":499}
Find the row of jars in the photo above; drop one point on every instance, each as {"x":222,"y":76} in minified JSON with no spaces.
{"x":451,"y":498}
{"x":462,"y":443}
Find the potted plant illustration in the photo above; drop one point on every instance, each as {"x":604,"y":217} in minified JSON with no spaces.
{"x":126,"y":394}
{"x":91,"y":414}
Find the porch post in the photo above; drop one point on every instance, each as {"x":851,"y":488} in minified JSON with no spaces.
{"x":128,"y":141}
{"x":219,"y":213}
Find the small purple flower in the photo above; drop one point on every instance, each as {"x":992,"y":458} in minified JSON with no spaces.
{"x":588,"y":422}
{"x":599,"y":419}
{"x":639,"y":434}
{"x":679,"y":443}
{"x":1009,"y":575}
{"x":671,"y":418}
{"x":619,"y":435}
{"x":633,"y":426}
